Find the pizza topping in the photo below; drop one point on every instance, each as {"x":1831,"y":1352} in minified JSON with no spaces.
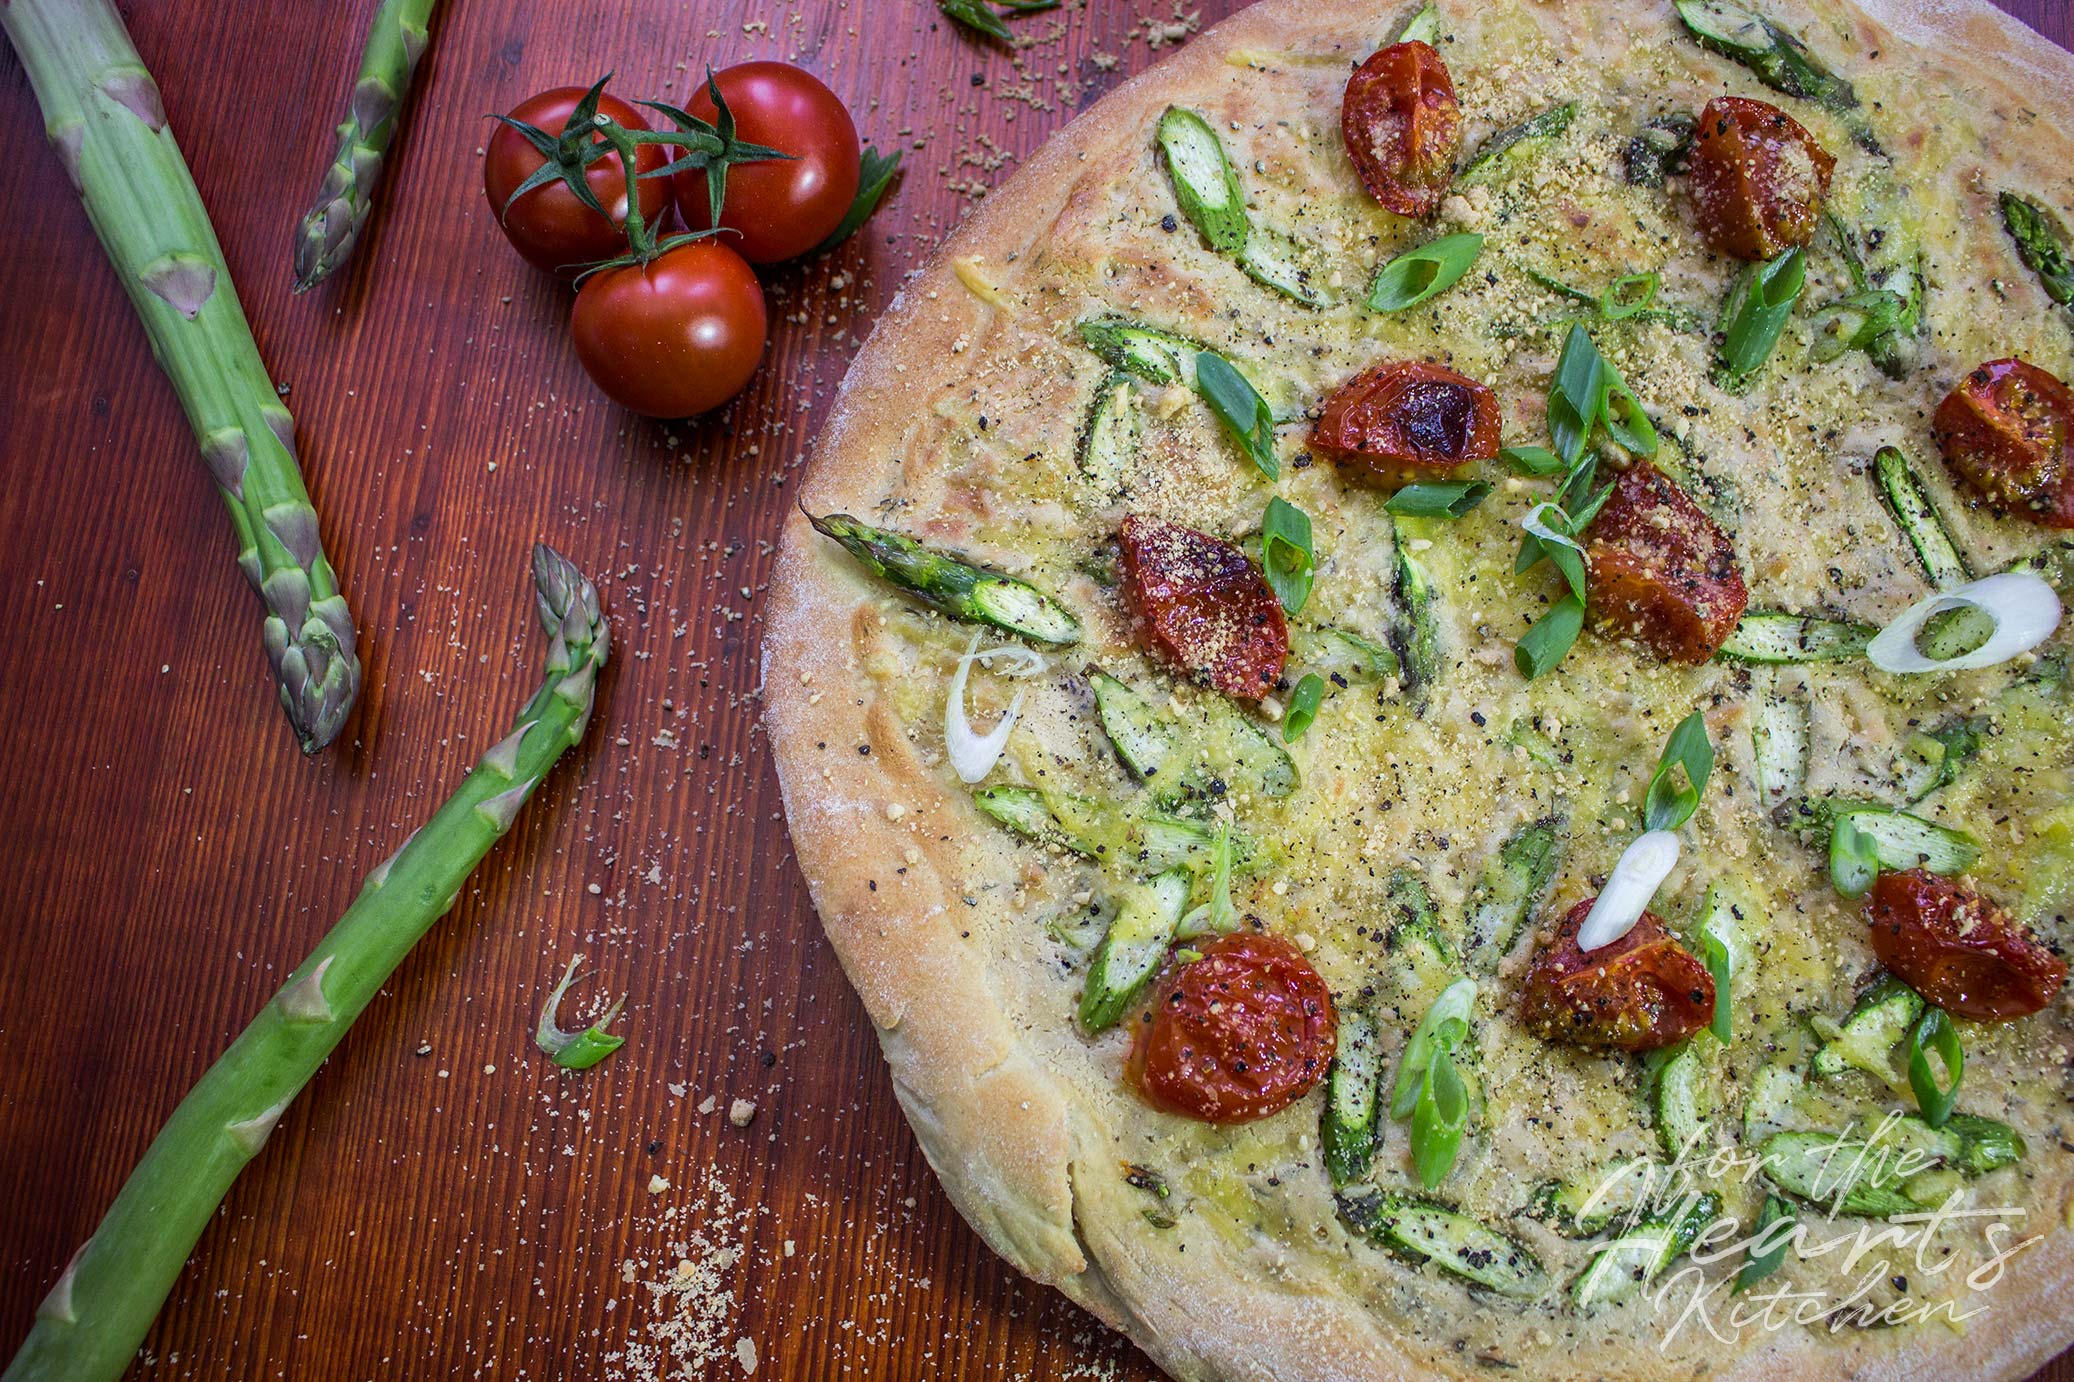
{"x":1203,"y":606}
{"x":1643,"y":867}
{"x":1901,"y":490}
{"x":1662,"y":570}
{"x":951,"y":584}
{"x":1428,"y":1090}
{"x":1778,"y":59}
{"x":1510,"y":148}
{"x":2041,"y":242}
{"x":1958,"y":949}
{"x":973,"y":755}
{"x":1403,"y":127}
{"x":1393,"y":423}
{"x":1759,"y":303}
{"x":2008,"y":429}
{"x":1639,"y":993}
{"x":1758,"y":178}
{"x":1238,"y":1034}
{"x":2024,"y":611}
{"x":1423,"y":272}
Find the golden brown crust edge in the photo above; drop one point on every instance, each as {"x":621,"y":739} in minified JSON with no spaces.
{"x":996,"y":1126}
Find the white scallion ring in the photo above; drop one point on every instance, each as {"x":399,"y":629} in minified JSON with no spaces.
{"x":2025,"y":610}
{"x":974,"y":755}
{"x":1641,"y":871}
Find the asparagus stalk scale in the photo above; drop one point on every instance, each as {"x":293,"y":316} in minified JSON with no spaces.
{"x":329,"y":230}
{"x":90,"y":1324}
{"x":102,"y":112}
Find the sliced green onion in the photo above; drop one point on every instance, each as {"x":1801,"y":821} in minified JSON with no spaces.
{"x":1533,"y":461}
{"x":2025,"y":609}
{"x":1303,"y":707}
{"x":1240,"y":407}
{"x":1444,"y":1026}
{"x":1438,"y":498}
{"x":1854,"y":858}
{"x":1586,"y":393}
{"x":1217,"y":916}
{"x":1756,"y":313}
{"x":1422,"y":273}
{"x":1641,"y":870}
{"x":1666,"y":807}
{"x":1437,"y":1120}
{"x":1549,"y":535}
{"x":575,"y":1050}
{"x":1629,"y":294}
{"x":1720,"y":963}
{"x":1286,"y":558}
{"x":1545,"y":644}
{"x":1934,"y":1032}
{"x":1766,"y":1248}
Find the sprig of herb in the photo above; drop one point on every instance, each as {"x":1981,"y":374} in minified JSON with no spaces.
{"x":1286,"y":558}
{"x":1424,"y":272}
{"x":1303,"y":707}
{"x":980,"y":15}
{"x":1428,"y":1090}
{"x":1933,"y":1031}
{"x":874,"y":177}
{"x":1755,"y":314}
{"x":1240,"y":407}
{"x":1438,"y":498}
{"x":1666,"y":806}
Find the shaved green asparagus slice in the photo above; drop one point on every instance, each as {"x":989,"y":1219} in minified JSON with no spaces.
{"x":2042,"y":243}
{"x":1884,"y":316}
{"x":1920,"y":523}
{"x":954,"y":586}
{"x":1417,"y":633}
{"x":1422,"y":27}
{"x":1778,"y":59}
{"x":1903,"y":841}
{"x":1156,"y":356}
{"x":1349,"y":1127}
{"x":1108,"y":440}
{"x":1426,"y":1231}
{"x":1866,"y":1039}
{"x":102,"y":112}
{"x":1870,"y":1175}
{"x":1123,"y":965}
{"x":1638,"y":1256}
{"x":1504,"y":152}
{"x":1659,"y":149}
{"x":1105,"y":831}
{"x":1772,"y":636}
{"x":331,"y":228}
{"x":1208,"y":190}
{"x":90,"y":1324}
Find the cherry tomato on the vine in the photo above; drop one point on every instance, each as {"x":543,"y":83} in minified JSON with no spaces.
{"x":548,"y":225}
{"x":777,"y":208}
{"x":1241,"y":1033}
{"x":678,"y":335}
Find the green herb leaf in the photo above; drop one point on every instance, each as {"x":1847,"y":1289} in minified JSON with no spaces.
{"x":1666,"y":807}
{"x":874,"y":177}
{"x":1242,"y":410}
{"x":1535,"y":461}
{"x":1854,"y":857}
{"x":975,"y":15}
{"x":575,"y":1050}
{"x":1445,"y":1025}
{"x":1438,"y":499}
{"x":1546,"y":643}
{"x":1419,"y":274}
{"x":1437,"y":1120}
{"x":1758,"y":306}
{"x":1286,"y":558}
{"x":1767,"y":1246}
{"x":1303,"y":707}
{"x":1629,"y":294}
{"x":1933,"y":1031}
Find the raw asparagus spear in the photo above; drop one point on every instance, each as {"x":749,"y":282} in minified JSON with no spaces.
{"x":103,"y":115}
{"x":90,"y":1324}
{"x":330,"y":228}
{"x":958,"y":588}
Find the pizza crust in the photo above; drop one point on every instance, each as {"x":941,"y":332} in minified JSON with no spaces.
{"x":885,"y":847}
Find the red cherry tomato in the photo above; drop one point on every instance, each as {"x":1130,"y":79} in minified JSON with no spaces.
{"x":1203,"y":606}
{"x":2008,"y":429}
{"x":1635,"y":994}
{"x":779,"y":208}
{"x":1661,"y":570}
{"x":1395,"y":423}
{"x":1237,"y":1035}
{"x":548,"y":225}
{"x":1959,"y":950}
{"x":673,"y":337}
{"x":1403,"y":127}
{"x":1758,"y":178}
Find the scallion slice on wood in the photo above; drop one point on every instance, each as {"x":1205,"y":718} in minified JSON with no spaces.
{"x":2025,"y":611}
{"x":1755,"y":314}
{"x":1423,"y":272}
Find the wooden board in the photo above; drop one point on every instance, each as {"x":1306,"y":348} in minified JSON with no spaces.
{"x":447,"y":1203}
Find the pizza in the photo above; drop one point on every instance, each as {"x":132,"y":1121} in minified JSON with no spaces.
{"x":1422,"y":683}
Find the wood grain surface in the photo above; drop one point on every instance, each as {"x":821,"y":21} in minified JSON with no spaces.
{"x":444,"y":1202}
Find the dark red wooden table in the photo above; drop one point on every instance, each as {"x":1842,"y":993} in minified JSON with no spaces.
{"x":446,"y":1202}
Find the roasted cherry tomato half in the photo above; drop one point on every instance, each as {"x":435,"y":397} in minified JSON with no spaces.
{"x":2007,"y":429}
{"x":1394,"y":423}
{"x":1204,"y":607}
{"x":548,"y":225}
{"x":1241,"y":1033}
{"x":1635,"y":994}
{"x":1758,"y":178}
{"x":1959,"y":950}
{"x":777,"y":208}
{"x":1662,"y":571}
{"x":675,"y":336}
{"x":1403,"y":127}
